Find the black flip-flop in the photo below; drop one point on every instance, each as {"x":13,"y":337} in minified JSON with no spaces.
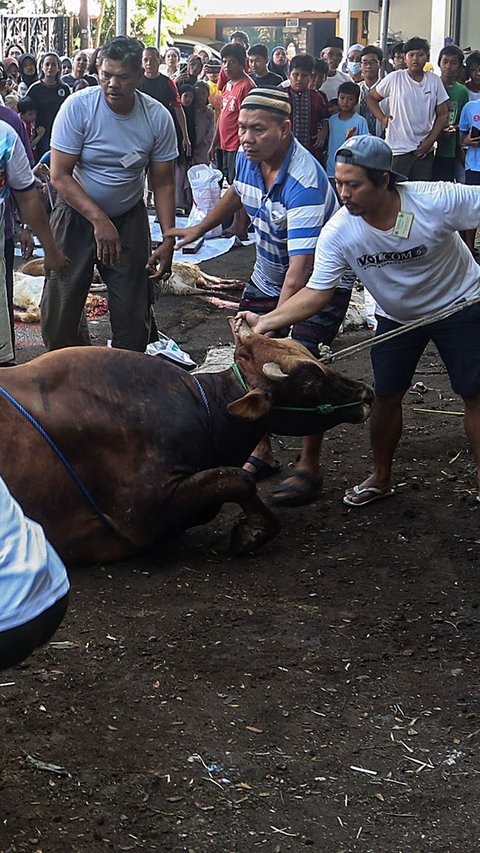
{"x":288,"y":494}
{"x":262,"y":469}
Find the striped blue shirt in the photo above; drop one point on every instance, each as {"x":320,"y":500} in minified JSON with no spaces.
{"x":288,"y":217}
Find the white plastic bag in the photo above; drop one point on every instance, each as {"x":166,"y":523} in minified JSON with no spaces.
{"x":204,"y":181}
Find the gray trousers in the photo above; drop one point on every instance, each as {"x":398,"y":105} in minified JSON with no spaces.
{"x":129,"y":290}
{"x":414,"y":168}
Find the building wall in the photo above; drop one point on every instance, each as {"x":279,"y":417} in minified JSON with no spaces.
{"x":411,"y":18}
{"x":209,"y":27}
{"x":470,"y":25}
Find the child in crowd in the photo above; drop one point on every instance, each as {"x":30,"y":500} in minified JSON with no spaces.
{"x":448,"y":153}
{"x":182,"y":187}
{"x":345,"y":123}
{"x":79,"y":85}
{"x":28,"y":114}
{"x":212,"y":71}
{"x":309,"y":107}
{"x":320,"y":71}
{"x":469,"y":124}
{"x":473,"y":71}
{"x":204,"y":123}
{"x":261,"y":76}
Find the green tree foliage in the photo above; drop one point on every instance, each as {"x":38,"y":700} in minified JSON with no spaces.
{"x":176,"y":15}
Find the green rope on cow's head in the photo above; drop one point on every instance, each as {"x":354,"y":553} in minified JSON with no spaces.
{"x":240,"y":378}
{"x":321,"y":409}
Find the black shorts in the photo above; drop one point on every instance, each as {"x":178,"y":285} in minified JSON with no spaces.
{"x":457,"y":339}
{"x":18,"y":643}
{"x":444,"y":168}
{"x":472,"y":177}
{"x":228,"y":165}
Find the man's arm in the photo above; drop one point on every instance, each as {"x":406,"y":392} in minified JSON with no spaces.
{"x":223,"y":210}
{"x":33,"y":213}
{"x":302,"y":305}
{"x":440,"y":122}
{"x":299,"y":271}
{"x":106,"y":235}
{"x":373,"y":104}
{"x":215,"y":143}
{"x":162,"y":182}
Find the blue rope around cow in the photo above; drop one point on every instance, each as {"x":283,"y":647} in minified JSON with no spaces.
{"x":60,"y":455}
{"x":204,"y":398}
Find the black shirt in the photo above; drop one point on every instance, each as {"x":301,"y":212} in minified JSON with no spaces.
{"x":165,"y":92}
{"x":47,"y":100}
{"x":161,"y":89}
{"x":70,"y":80}
{"x":269,"y":81}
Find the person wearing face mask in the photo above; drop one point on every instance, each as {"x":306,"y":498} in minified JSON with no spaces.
{"x":354,"y":68}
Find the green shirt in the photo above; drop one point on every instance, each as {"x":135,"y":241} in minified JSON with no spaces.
{"x":458,"y":97}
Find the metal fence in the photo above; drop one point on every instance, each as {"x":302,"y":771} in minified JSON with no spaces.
{"x":37,"y":34}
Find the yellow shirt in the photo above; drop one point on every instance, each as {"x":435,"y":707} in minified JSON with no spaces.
{"x":215,"y":98}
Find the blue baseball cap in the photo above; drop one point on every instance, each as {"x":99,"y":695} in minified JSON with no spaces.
{"x":370,"y":152}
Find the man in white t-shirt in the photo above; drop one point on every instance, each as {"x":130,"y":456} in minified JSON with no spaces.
{"x":332,"y":54}
{"x":418,"y":112}
{"x":33,"y":584}
{"x":402,"y":240}
{"x":104,"y":139}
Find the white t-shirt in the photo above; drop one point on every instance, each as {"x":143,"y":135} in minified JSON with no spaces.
{"x":331,"y":86}
{"x":115,"y":150}
{"x":412,"y":107}
{"x":408,"y":277}
{"x":15,"y":174}
{"x":32,"y":575}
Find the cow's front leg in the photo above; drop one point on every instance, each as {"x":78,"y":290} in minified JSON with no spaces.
{"x":200,"y":497}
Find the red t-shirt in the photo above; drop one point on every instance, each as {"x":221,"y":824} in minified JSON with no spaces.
{"x":223,"y":79}
{"x":232,"y":96}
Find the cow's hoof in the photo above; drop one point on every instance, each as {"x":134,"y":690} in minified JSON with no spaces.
{"x":245,"y":539}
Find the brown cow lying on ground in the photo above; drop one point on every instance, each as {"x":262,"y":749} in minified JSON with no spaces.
{"x":158,"y":449}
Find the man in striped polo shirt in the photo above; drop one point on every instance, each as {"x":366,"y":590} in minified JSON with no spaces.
{"x":288,"y":199}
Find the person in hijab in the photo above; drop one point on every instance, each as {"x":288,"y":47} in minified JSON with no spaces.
{"x":66,"y":64}
{"x":278,"y":62}
{"x":182,"y":187}
{"x":15,"y":50}
{"x":28,"y":72}
{"x":193,"y":73}
{"x":13,"y":71}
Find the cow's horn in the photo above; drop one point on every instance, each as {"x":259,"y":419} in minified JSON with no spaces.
{"x":243,"y":329}
{"x":273,"y":371}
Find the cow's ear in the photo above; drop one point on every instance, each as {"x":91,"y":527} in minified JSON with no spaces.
{"x":252,"y":406}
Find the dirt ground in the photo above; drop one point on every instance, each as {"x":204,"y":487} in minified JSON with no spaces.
{"x":321,"y":695}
